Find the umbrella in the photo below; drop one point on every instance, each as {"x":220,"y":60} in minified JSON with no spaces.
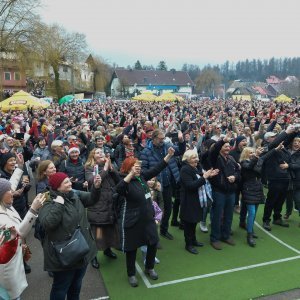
{"x":169,"y":97}
{"x":145,"y":96}
{"x":283,"y":98}
{"x":21,"y":101}
{"x":66,"y":99}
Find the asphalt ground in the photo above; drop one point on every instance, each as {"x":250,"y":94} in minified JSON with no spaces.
{"x":39,"y":282}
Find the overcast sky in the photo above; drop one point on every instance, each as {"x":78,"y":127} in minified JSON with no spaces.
{"x":178,"y":32}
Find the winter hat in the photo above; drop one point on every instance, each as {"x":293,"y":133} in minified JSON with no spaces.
{"x":56,"y":179}
{"x":239,"y":139}
{"x":5,"y":186}
{"x":5,"y":157}
{"x":73,"y":149}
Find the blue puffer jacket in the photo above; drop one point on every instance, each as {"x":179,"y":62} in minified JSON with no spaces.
{"x":150,"y":158}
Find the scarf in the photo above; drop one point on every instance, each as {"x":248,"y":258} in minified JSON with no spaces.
{"x":204,"y":193}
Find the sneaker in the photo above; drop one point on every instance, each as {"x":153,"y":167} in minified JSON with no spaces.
{"x":203,"y":227}
{"x":281,"y":223}
{"x":167,"y":235}
{"x":133,"y":281}
{"x":267,"y":226}
{"x":151,"y":273}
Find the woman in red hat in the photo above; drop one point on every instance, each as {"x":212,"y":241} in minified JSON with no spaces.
{"x":60,"y":217}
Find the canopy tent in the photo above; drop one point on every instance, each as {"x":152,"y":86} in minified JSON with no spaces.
{"x":282,"y":98}
{"x":21,"y":101}
{"x":169,"y":97}
{"x":145,"y":96}
{"x":66,"y":99}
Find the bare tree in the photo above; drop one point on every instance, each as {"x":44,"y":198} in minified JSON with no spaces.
{"x":208,"y":80}
{"x":17,"y":18}
{"x":55,"y":45}
{"x":102,"y":73}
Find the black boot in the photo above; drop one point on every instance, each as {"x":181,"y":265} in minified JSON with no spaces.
{"x":109,"y":253}
{"x":95,"y":263}
{"x":250,"y":240}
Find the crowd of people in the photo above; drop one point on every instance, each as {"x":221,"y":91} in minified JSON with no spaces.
{"x":117,"y":175}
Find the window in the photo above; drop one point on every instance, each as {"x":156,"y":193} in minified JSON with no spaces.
{"x":17,"y":76}
{"x":7,"y":76}
{"x":65,"y":69}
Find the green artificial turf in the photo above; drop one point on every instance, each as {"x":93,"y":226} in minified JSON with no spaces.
{"x":178,"y":264}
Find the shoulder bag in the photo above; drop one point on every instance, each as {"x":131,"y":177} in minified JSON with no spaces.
{"x":73,"y":250}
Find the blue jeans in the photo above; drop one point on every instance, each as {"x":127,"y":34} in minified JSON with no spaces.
{"x":67,"y":283}
{"x":251,"y":210}
{"x":222,"y":206}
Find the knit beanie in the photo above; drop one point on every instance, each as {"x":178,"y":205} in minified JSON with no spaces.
{"x":239,"y":139}
{"x":5,"y":157}
{"x":5,"y":186}
{"x":56,"y":179}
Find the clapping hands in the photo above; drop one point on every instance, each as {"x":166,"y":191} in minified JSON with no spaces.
{"x":210,"y":173}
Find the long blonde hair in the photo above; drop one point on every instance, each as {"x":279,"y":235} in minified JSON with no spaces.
{"x":245,"y":155}
{"x":90,"y":162}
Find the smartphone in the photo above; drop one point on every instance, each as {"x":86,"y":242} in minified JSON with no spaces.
{"x":19,"y":136}
{"x":7,"y":234}
{"x":47,"y":196}
{"x":96,"y":170}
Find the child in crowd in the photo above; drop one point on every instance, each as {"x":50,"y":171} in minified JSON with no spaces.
{"x":156,"y":197}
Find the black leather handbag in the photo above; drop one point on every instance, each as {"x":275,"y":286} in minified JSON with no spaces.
{"x":73,"y":250}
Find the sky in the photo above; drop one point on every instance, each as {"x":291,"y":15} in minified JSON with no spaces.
{"x":178,"y":32}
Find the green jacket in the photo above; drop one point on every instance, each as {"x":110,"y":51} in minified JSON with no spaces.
{"x":60,"y":222}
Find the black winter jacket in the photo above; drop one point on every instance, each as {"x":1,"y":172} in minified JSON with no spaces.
{"x":252,"y":187}
{"x":60,"y":222}
{"x":190,"y":209}
{"x":137,"y":224}
{"x":227,"y":167}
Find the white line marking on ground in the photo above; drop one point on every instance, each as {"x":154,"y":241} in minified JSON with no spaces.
{"x":149,"y":285}
{"x":142,"y":274}
{"x":277,"y":239}
{"x":224,"y":272}
{"x":101,"y":298}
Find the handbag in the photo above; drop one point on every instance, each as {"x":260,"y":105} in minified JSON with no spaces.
{"x":73,"y":250}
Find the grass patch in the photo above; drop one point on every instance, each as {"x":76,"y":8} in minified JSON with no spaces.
{"x":177,"y":264}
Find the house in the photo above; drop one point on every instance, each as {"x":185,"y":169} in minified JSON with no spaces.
{"x":128,"y":82}
{"x":12,"y":76}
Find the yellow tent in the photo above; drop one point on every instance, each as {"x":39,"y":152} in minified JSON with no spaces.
{"x":145,"y":96}
{"x":283,"y":98}
{"x":21,"y":101}
{"x":169,"y":97}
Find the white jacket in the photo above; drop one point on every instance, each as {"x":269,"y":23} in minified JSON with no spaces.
{"x":12,"y":274}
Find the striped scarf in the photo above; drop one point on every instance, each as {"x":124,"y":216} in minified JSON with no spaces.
{"x":204,"y":193}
